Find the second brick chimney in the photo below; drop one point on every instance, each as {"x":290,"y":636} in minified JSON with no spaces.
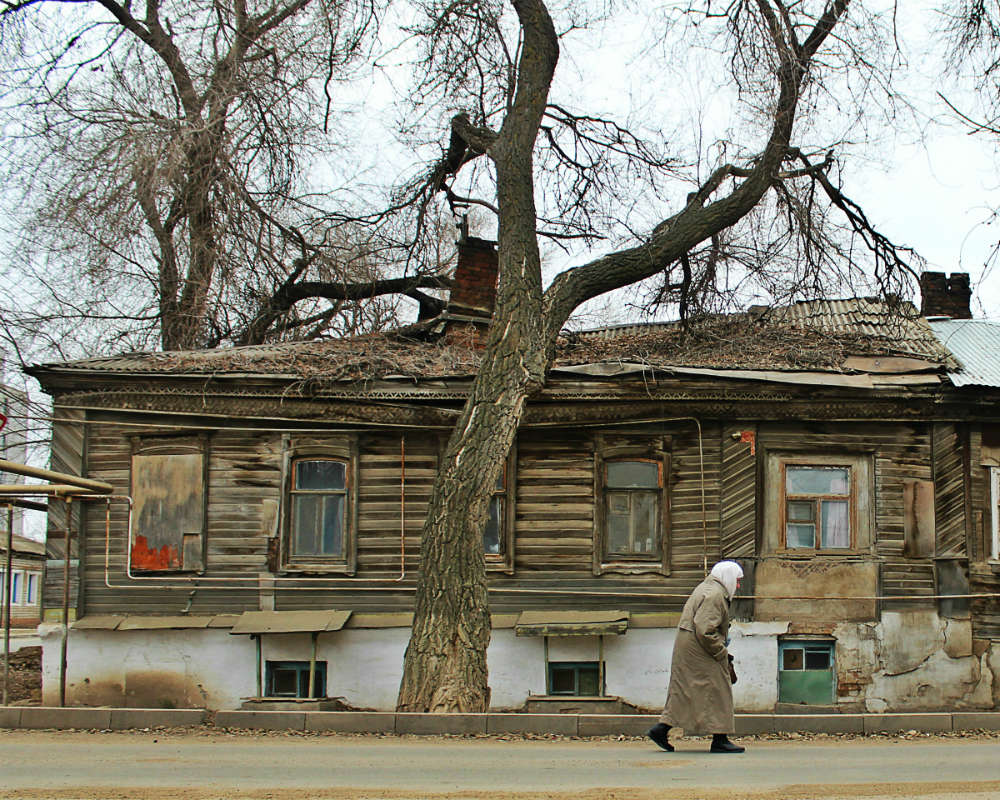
{"x":945,"y":296}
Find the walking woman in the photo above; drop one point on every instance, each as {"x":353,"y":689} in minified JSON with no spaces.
{"x":700,"y":696}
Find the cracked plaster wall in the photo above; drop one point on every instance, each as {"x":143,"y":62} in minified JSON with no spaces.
{"x":915,"y":661}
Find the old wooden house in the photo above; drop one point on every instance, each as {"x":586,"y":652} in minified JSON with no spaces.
{"x":277,"y":495}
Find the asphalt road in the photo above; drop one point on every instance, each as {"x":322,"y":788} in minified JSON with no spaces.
{"x":199,"y":765}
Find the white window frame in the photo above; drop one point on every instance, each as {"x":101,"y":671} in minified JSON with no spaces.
{"x":30,"y":588}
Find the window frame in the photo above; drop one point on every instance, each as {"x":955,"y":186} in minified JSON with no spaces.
{"x":817,"y":502}
{"x":302,"y":674}
{"x":994,"y":500}
{"x":194,"y":555}
{"x":576,"y":667}
{"x":610,"y":448}
{"x":862,"y":494}
{"x":343,"y":449}
{"x":504,"y":560}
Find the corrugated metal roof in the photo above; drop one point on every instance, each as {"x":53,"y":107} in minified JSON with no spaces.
{"x":976,"y":344}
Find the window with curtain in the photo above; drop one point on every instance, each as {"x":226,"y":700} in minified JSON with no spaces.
{"x":818,"y":507}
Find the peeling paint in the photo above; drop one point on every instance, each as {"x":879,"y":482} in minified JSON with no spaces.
{"x":147,"y":558}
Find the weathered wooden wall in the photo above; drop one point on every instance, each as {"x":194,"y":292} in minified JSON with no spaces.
{"x":715,"y":483}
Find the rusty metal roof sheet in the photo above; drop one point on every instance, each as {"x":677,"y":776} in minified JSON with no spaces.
{"x":808,"y":336}
{"x":976,"y":344}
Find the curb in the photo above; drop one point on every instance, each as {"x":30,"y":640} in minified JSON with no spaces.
{"x":388,"y":722}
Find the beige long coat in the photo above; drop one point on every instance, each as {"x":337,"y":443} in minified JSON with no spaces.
{"x":700,"y":697}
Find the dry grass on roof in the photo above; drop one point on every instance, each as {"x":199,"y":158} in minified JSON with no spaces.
{"x":734,"y":342}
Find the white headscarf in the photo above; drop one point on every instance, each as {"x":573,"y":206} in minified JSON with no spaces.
{"x":727,"y":573}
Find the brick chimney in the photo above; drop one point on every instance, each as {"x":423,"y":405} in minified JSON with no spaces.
{"x":944,"y":296}
{"x":474,"y":293}
{"x":475,"y":289}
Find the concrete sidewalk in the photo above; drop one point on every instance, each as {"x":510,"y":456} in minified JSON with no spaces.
{"x":25,"y":717}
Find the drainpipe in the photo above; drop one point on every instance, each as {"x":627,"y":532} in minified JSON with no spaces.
{"x":65,"y":605}
{"x":402,"y":509}
{"x":312,"y":666}
{"x":7,"y":600}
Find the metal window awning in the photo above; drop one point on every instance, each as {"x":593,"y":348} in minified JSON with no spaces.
{"x":131,"y":622}
{"x":571,"y":623}
{"x":256,"y":622}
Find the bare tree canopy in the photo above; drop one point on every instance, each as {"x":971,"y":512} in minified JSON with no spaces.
{"x":165,"y":159}
{"x":781,"y":56}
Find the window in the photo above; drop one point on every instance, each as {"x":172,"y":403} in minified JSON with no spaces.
{"x":994,"y":513}
{"x":817,"y":507}
{"x":631,"y":516}
{"x":169,"y":480}
{"x":31,"y":588}
{"x":806,"y":672}
{"x":498,"y":534}
{"x":15,"y":589}
{"x":632,"y":508}
{"x":318,"y":506}
{"x":818,"y":503}
{"x":580,"y":679}
{"x":291,"y":679}
{"x":319,"y":516}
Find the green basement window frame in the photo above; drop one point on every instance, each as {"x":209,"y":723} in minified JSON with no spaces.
{"x":806,"y":672}
{"x":291,"y":679}
{"x":575,"y":678}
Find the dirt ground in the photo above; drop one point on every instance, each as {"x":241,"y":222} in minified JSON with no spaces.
{"x":25,"y":676}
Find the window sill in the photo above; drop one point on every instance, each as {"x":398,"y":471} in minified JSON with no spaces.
{"x":798,"y":553}
{"x":633,"y":568}
{"x":315,"y":569}
{"x":500,"y":566}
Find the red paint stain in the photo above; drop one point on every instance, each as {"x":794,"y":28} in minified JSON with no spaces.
{"x":144,"y":557}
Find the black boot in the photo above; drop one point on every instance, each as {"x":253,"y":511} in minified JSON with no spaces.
{"x":658,"y":733}
{"x":721,"y":744}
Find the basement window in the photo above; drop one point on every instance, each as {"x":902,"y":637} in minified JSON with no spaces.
{"x":575,"y":678}
{"x":291,"y":679}
{"x":806,"y":672}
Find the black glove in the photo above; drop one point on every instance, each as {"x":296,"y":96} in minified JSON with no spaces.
{"x":732,"y":671}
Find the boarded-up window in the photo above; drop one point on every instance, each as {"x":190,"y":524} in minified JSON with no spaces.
{"x":918,"y":519}
{"x":168,"y":514}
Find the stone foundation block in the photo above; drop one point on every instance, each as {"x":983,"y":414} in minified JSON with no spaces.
{"x":820,"y":723}
{"x":351,"y":721}
{"x":616,"y":724}
{"x":563,"y":724}
{"x":10,"y":717}
{"x":892,"y":723}
{"x":436,"y":724}
{"x":752,"y":724}
{"x":972,"y":720}
{"x":50,"y":717}
{"x":265,"y":720}
{"x":124,"y":718}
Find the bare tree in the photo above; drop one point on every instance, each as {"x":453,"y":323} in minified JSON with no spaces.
{"x":778,"y":50}
{"x":166,"y":160}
